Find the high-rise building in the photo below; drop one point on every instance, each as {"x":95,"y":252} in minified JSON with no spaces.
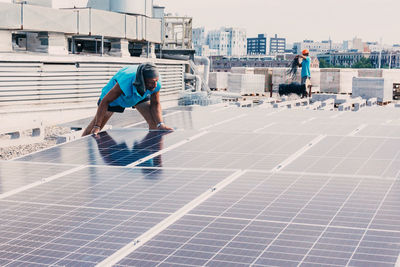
{"x":228,"y":41}
{"x":257,"y":46}
{"x":218,"y":40}
{"x":199,"y":40}
{"x":277,"y":45}
{"x":237,"y":42}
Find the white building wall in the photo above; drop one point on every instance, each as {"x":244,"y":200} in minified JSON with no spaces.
{"x":318,"y":47}
{"x":218,"y":40}
{"x":228,"y":41}
{"x":237,"y":43}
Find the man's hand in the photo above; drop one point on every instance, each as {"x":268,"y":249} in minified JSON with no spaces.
{"x":95,"y":130}
{"x":164,"y":127}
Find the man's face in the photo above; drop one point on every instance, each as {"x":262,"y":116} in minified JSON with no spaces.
{"x":151,"y":84}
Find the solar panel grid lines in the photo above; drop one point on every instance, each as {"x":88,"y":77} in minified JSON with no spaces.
{"x":320,"y":227}
{"x":247,"y":224}
{"x":225,"y":108}
{"x":223,"y":122}
{"x":351,"y":155}
{"x":331,"y":174}
{"x":119,"y":255}
{"x":327,"y":226}
{"x":309,"y":201}
{"x":359,"y":128}
{"x":144,"y":122}
{"x":42,"y":181}
{"x":14,"y":174}
{"x":111,"y":227}
{"x":212,"y":220}
{"x":369,"y":224}
{"x":336,"y":203}
{"x":298,"y":153}
{"x":264,"y":127}
{"x":167,"y":149}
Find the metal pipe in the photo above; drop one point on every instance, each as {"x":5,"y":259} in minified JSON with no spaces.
{"x":102,"y":45}
{"x":206,"y":62}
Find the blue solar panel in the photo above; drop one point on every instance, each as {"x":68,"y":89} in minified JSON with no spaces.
{"x":235,"y":151}
{"x":115,"y":147}
{"x":282,"y":220}
{"x":84,"y":217}
{"x":14,"y":175}
{"x":303,"y":200}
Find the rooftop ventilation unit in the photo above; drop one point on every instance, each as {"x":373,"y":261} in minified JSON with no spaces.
{"x":136,"y":7}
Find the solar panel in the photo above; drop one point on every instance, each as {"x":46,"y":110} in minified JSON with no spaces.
{"x":14,"y":175}
{"x":95,"y":210}
{"x":230,"y":151}
{"x":230,"y":187}
{"x":283,"y":220}
{"x":351,"y":155}
{"x":119,"y":147}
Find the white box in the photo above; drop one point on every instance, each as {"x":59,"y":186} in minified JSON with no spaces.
{"x":242,"y":70}
{"x":337,"y":80}
{"x":379,"y":88}
{"x":218,"y":80}
{"x":246,"y":83}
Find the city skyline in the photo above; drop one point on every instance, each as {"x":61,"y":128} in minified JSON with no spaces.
{"x":336,"y":19}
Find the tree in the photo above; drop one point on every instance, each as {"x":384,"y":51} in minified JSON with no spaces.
{"x":323,"y":64}
{"x":363,"y":63}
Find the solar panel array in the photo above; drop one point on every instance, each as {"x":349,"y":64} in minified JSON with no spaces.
{"x":230,"y":187}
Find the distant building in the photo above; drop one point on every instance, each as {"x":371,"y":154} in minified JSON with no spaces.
{"x":228,"y":41}
{"x":346,"y":59}
{"x":237,"y":45}
{"x":257,"y":46}
{"x":387,"y":58}
{"x":224,"y":64}
{"x":218,"y":40}
{"x":277,"y":45}
{"x":199,"y":40}
{"x":316,"y":48}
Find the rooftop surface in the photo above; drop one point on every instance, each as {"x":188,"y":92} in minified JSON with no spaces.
{"x":230,"y":187}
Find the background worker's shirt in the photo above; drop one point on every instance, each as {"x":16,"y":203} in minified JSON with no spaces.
{"x":130,"y":97}
{"x":305,"y":67}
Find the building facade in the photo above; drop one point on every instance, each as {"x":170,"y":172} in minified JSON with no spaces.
{"x":199,"y":40}
{"x":277,"y":45}
{"x":316,"y":48}
{"x":237,"y":42}
{"x":224,"y":64}
{"x":228,"y":41}
{"x":218,"y":40}
{"x":257,"y":46}
{"x":346,"y":59}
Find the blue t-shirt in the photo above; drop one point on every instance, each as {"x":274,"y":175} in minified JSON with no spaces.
{"x":130,"y":97}
{"x":305,"y":67}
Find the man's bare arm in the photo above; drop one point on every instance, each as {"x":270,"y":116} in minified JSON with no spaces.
{"x":156,"y":111}
{"x":112,"y":95}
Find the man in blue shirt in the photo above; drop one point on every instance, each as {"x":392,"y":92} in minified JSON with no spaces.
{"x":132,"y":86}
{"x":305,"y":69}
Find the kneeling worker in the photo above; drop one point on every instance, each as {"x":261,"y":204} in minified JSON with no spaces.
{"x":131,"y":87}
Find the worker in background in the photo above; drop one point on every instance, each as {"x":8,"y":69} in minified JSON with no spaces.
{"x":305,"y":70}
{"x":133,"y":86}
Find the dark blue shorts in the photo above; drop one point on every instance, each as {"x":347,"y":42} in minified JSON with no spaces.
{"x":120,"y":109}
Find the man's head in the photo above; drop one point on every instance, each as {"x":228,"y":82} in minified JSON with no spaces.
{"x":151,"y":76}
{"x":305,"y":52}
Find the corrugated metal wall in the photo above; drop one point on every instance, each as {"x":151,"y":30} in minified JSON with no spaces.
{"x":33,"y":83}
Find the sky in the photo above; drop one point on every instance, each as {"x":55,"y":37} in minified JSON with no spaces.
{"x":371,"y":20}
